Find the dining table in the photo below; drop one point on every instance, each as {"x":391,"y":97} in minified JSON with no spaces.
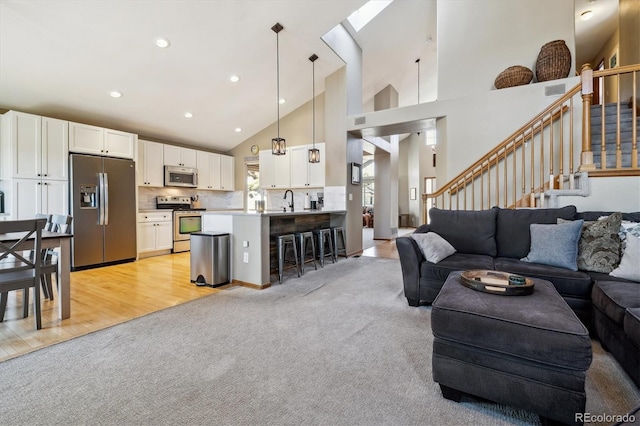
{"x":63,"y":243}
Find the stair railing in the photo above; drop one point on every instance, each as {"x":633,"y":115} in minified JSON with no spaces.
{"x":539,"y":156}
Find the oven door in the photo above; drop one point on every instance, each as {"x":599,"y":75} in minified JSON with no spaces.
{"x":184,"y":223}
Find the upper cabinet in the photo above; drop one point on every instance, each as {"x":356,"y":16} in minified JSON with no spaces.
{"x":37,"y":147}
{"x":215,"y":171}
{"x":95,"y":140}
{"x":292,"y":170}
{"x":227,"y":171}
{"x":150,"y":163}
{"x":179,"y":156}
{"x":275,"y":170}
{"x":303,"y":173}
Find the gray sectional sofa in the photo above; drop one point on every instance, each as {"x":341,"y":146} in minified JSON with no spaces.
{"x":497,"y":239}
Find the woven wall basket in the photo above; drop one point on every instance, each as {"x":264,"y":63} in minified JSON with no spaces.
{"x":554,"y":61}
{"x":513,"y":76}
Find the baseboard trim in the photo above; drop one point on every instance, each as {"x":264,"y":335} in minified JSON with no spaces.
{"x":251,"y":285}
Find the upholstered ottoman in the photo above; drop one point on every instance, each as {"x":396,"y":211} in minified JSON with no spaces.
{"x":530,"y":352}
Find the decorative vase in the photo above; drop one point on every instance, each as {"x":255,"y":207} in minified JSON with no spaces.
{"x":554,"y":61}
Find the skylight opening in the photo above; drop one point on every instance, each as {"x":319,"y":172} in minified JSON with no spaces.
{"x":366,"y":13}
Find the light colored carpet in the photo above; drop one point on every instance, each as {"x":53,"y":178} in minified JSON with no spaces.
{"x":339,"y":346}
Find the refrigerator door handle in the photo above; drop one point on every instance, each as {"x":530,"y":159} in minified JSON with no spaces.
{"x":100,"y":199}
{"x":105,"y":182}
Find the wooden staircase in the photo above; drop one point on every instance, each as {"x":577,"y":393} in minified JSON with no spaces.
{"x":550,"y":156}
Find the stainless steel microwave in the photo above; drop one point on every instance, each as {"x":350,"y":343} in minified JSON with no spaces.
{"x":180,"y":176}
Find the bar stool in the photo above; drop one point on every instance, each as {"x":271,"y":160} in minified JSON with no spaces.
{"x":302,"y":238}
{"x":324,"y":240}
{"x":282,"y":242}
{"x":339,"y":230}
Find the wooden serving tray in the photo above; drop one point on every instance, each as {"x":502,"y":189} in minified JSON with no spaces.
{"x":496,"y":282}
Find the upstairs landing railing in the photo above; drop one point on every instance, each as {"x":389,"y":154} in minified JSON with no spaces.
{"x":543,"y":154}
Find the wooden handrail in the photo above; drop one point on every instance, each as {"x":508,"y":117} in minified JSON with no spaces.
{"x":530,"y":124}
{"x":509,"y":148}
{"x":551,"y":163}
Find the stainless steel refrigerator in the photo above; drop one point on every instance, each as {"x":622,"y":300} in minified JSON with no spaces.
{"x":103,"y":205}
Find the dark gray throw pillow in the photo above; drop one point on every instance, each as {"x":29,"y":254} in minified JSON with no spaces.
{"x":599,"y":245}
{"x":471,"y":232}
{"x":512,"y":229}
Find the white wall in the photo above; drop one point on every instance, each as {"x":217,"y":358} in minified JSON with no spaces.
{"x":608,"y":194}
{"x":479,"y":39}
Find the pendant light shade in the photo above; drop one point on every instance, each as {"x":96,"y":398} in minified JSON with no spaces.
{"x":278,"y":144}
{"x":314,"y":153}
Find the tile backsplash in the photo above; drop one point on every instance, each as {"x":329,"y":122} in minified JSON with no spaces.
{"x":208,"y":199}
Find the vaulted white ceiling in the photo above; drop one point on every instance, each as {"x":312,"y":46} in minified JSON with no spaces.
{"x":61,"y":58}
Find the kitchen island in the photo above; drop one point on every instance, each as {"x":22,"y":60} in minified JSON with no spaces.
{"x":252,"y":247}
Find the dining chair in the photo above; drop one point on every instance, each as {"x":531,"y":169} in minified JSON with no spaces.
{"x":60,"y":224}
{"x":17,"y":270}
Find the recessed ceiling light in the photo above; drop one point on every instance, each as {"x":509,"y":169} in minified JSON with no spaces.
{"x":234,"y":78}
{"x":238,"y":129}
{"x":188,"y":114}
{"x":162,"y":42}
{"x":586,"y":15}
{"x":282,"y":100}
{"x":115,"y":94}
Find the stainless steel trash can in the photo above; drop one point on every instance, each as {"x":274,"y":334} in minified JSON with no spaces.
{"x":209,"y":258}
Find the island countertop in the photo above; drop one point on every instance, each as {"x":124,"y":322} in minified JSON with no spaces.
{"x":270,"y":213}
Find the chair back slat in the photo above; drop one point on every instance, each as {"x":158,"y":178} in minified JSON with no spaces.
{"x":61,"y":223}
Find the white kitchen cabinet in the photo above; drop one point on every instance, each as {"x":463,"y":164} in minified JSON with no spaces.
{"x":227,"y":173}
{"x":87,"y":139}
{"x":31,"y":196}
{"x":303,"y":173}
{"x":208,"y":167}
{"x":34,"y":162}
{"x":155,"y":230}
{"x":275,"y":170}
{"x":150,"y":164}
{"x":38,"y":146}
{"x":215,"y":171}
{"x":178,"y":156}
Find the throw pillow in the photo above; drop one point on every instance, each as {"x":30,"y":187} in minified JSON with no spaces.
{"x":512,"y":228}
{"x":471,"y":232}
{"x":555,"y":245}
{"x":433,"y":246}
{"x":628,"y":228}
{"x":629,"y":268}
{"x":599,"y":245}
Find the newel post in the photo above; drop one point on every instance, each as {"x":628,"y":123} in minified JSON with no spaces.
{"x":586,"y":158}
{"x":424,"y":209}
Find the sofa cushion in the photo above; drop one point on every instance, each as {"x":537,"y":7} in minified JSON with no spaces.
{"x":434,"y":247}
{"x":599,"y":276}
{"x":599,"y":245}
{"x":567,"y":282}
{"x":613,"y":298}
{"x":629,"y":267}
{"x":512,"y":228}
{"x":595,"y":215}
{"x":631,"y":323}
{"x":468,"y":231}
{"x":555,"y":245}
{"x":455,"y":262}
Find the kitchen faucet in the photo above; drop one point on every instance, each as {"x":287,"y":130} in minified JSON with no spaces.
{"x":285,"y":197}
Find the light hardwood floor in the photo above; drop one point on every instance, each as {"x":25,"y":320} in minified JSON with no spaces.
{"x":111,"y":295}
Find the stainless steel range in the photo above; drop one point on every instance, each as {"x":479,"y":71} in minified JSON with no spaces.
{"x":186,"y":220}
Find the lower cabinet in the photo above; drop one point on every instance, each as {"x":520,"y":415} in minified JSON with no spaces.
{"x":155,"y":232}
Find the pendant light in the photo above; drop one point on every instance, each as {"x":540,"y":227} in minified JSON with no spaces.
{"x":278,"y":144}
{"x":314,"y":153}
